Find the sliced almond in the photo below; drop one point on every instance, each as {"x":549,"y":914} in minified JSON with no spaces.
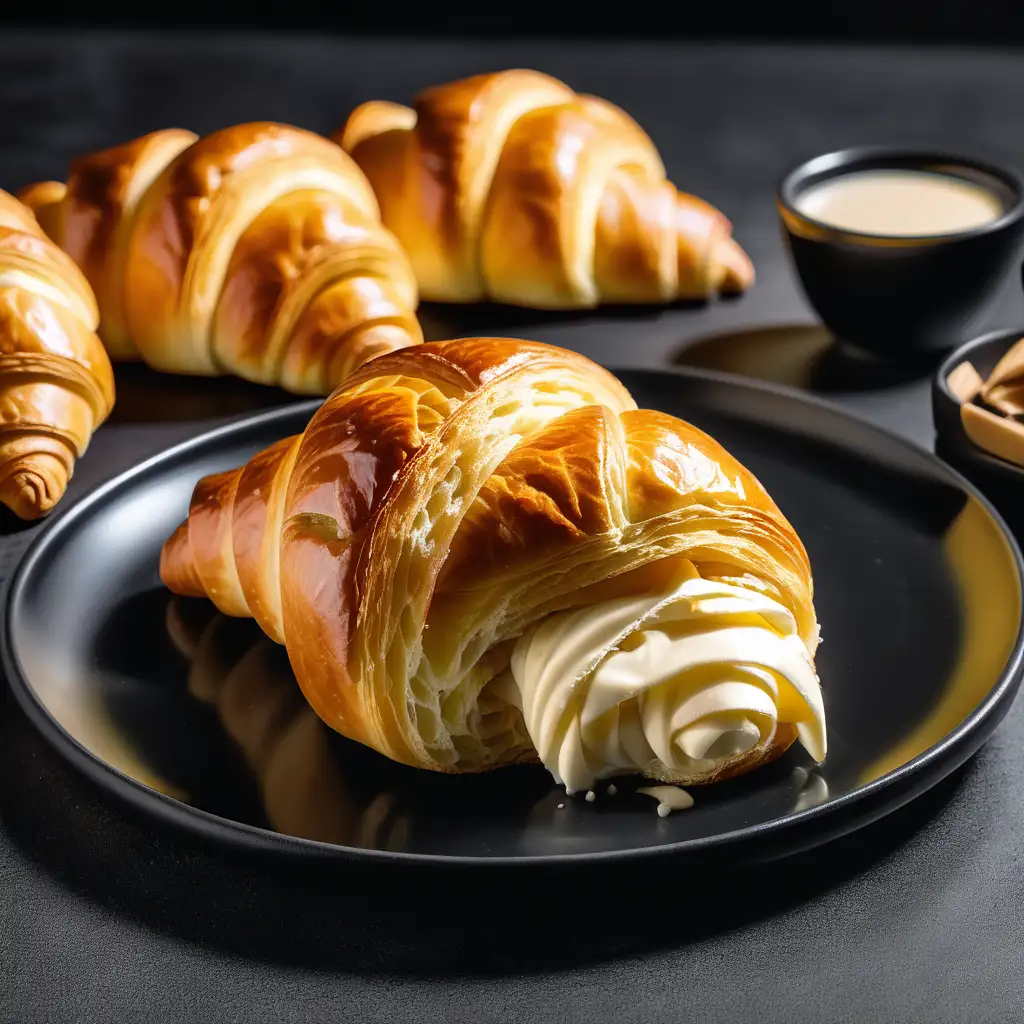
{"x":995,"y":434}
{"x":1010,"y":368}
{"x":1008,"y":398}
{"x":965,"y":382}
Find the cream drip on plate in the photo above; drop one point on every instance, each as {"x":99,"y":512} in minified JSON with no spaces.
{"x":671,"y":685}
{"x":670,"y":798}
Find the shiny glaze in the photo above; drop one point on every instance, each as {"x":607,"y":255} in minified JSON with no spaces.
{"x":290,"y":269}
{"x":544,"y":183}
{"x":511,"y":186}
{"x":461,"y":133}
{"x":56,"y":382}
{"x":212,"y":254}
{"x":594,"y":483}
{"x":257,"y":521}
{"x":98,"y":213}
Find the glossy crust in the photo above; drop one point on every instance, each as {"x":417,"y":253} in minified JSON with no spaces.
{"x":257,"y":250}
{"x":56,"y":383}
{"x":442,"y":501}
{"x":510,"y":186}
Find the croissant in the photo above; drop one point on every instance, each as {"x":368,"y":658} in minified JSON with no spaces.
{"x":56,"y":383}
{"x":256,"y":251}
{"x":510,"y":186}
{"x":481,"y":552}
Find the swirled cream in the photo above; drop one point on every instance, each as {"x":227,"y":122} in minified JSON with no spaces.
{"x":671,"y":685}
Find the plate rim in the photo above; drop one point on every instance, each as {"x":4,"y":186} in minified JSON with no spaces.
{"x":944,"y":756}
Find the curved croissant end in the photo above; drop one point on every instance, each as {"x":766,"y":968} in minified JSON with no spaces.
{"x":463,"y":554}
{"x":56,"y":383}
{"x":46,"y":199}
{"x":511,"y":186}
{"x":257,"y":250}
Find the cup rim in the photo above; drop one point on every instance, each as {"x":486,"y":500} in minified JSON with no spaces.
{"x":843,"y":161}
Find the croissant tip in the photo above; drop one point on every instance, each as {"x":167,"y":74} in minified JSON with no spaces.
{"x":738,"y":270}
{"x":30,"y":493}
{"x":43,"y":198}
{"x":177,"y":565}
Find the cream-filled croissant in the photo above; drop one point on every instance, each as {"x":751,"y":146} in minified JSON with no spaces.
{"x":256,"y":251}
{"x":56,"y":383}
{"x":481,"y":552}
{"x":512,"y":187}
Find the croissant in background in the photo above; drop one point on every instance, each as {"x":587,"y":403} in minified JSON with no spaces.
{"x":257,"y":251}
{"x":481,"y":552}
{"x":56,"y":383}
{"x":510,"y":186}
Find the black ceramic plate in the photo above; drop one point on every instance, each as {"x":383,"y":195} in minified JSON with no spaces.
{"x":196,"y":719}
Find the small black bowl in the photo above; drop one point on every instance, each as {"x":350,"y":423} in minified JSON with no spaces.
{"x":901,"y":296}
{"x":1002,"y":482}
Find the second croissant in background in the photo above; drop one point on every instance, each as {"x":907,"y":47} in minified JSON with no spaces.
{"x":256,"y":251}
{"x":512,"y":187}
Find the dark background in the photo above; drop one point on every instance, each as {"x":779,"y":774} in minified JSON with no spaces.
{"x":106,"y":917}
{"x":942,"y":21}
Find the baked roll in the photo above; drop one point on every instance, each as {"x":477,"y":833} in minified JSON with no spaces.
{"x":481,"y":552}
{"x":256,"y":251}
{"x":56,"y":383}
{"x":512,"y":187}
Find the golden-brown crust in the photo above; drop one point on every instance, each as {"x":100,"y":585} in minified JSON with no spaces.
{"x":311,"y":269}
{"x":92,"y":215}
{"x":208,"y":254}
{"x":56,"y":383}
{"x":549,"y":493}
{"x":19,"y":215}
{"x":511,"y":186}
{"x":178,"y":564}
{"x":463,"y":483}
{"x":256,"y":524}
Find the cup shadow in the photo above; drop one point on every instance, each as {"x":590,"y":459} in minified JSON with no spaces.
{"x":388,"y":919}
{"x":804,"y":356}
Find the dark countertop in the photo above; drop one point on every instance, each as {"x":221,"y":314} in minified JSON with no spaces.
{"x":106,"y":917}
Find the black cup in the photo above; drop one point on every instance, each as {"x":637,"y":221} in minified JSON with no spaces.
{"x":902,"y":297}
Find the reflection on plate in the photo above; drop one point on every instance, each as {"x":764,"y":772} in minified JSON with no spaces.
{"x":245,"y":678}
{"x":918,"y":590}
{"x":313,"y":784}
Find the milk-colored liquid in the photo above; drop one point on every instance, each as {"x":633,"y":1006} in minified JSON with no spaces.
{"x":900,"y":203}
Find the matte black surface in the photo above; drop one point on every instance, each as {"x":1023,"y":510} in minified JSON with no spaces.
{"x":990,"y":21}
{"x":206,"y":715}
{"x":919,"y":917}
{"x":902,"y":297}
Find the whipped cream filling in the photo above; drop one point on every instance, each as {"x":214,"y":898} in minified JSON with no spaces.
{"x":672,"y":685}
